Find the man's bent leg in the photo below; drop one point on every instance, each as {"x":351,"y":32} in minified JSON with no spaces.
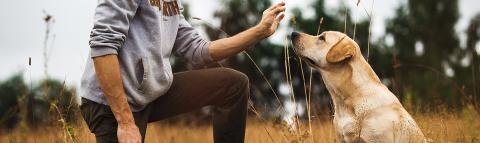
{"x":226,"y":89}
{"x":101,"y":121}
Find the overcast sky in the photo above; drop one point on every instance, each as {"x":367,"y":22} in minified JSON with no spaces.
{"x":22,"y":31}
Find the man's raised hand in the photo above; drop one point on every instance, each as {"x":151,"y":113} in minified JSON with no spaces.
{"x":271,"y":18}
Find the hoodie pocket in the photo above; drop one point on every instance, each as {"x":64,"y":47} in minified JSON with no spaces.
{"x":141,"y":73}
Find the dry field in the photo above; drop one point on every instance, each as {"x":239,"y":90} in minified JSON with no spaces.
{"x":438,"y":127}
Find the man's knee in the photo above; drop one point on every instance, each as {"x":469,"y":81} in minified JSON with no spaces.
{"x":234,"y":77}
{"x":236,"y":87}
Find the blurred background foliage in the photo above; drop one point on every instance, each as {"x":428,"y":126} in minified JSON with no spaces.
{"x":29,"y":106}
{"x":420,"y":58}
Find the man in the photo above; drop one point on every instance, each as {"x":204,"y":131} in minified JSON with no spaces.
{"x":128,"y":81}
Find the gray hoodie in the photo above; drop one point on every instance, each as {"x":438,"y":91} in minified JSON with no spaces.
{"x":143,"y":38}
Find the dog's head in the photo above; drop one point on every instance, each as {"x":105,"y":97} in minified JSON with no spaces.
{"x":327,"y":49}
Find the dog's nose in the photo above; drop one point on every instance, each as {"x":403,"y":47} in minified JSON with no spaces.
{"x":294,"y":35}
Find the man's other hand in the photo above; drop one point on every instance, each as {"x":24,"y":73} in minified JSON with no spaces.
{"x":271,"y":19}
{"x":128,"y":133}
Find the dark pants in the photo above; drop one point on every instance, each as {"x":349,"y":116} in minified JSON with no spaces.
{"x":226,"y":89}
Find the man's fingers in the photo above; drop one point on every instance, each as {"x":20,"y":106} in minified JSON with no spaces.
{"x":139,"y":140}
{"x":277,"y":10}
{"x":271,"y":7}
{"x":279,"y":18}
{"x":277,"y":21}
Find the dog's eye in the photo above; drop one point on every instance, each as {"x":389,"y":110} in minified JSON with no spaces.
{"x":321,"y":37}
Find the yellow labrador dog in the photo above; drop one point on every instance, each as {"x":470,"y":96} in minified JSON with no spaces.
{"x":365,"y":110}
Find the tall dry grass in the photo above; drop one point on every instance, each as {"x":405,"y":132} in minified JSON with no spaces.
{"x":440,"y":127}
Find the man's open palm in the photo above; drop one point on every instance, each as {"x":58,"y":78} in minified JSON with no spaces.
{"x":271,"y":18}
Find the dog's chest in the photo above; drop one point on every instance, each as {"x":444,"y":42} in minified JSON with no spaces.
{"x":349,"y":118}
{"x":347,"y":127}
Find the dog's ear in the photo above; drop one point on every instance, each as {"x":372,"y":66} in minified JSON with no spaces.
{"x":342,"y":50}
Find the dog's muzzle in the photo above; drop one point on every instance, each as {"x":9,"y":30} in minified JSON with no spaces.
{"x":294,"y":35}
{"x":295,"y":45}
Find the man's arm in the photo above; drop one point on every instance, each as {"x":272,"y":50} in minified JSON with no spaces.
{"x":111,"y":24}
{"x":223,"y":48}
{"x":108,"y":74}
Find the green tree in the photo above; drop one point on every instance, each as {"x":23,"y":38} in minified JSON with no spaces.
{"x":10,"y":92}
{"x":427,"y":26}
{"x":470,"y":74}
{"x":37,"y":105}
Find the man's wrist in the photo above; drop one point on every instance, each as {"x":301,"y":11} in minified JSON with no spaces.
{"x":129,"y":126}
{"x":261,"y":31}
{"x":129,"y":123}
{"x":125,"y":119}
{"x":125,"y":116}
